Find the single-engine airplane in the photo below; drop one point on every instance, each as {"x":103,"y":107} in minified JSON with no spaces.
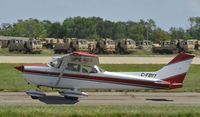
{"x":77,"y":70}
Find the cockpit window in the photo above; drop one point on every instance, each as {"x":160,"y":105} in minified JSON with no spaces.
{"x":56,"y":63}
{"x":100,"y":69}
{"x":73,"y":67}
{"x":89,"y":69}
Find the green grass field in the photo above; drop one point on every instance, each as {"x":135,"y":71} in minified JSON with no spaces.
{"x":44,"y":52}
{"x":12,"y":80}
{"x":100,"y":111}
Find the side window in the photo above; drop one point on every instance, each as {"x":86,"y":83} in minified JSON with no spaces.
{"x":73,"y":67}
{"x":88,"y":69}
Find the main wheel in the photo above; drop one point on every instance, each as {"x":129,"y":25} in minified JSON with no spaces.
{"x":34,"y":97}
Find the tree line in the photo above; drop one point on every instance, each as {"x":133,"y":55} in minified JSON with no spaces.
{"x":97,"y":28}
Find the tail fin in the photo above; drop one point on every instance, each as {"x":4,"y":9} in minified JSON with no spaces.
{"x":175,"y":71}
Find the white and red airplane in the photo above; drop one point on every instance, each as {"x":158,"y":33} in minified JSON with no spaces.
{"x":79,"y":70}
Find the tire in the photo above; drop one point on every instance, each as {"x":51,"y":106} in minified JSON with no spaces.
{"x":71,"y":98}
{"x":101,"y":51}
{"x":34,"y":97}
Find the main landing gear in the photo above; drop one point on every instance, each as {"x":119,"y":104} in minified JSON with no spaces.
{"x":69,"y":95}
{"x":35,"y":94}
{"x":72,"y":95}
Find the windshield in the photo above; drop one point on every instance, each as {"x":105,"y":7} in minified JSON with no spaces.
{"x":55,"y":63}
{"x":91,"y":69}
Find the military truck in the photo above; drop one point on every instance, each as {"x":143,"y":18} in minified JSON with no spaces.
{"x":104,"y":46}
{"x":187,"y":45}
{"x":49,"y":42}
{"x":92,"y":46}
{"x":79,"y":45}
{"x":125,"y":46}
{"x":168,"y":47}
{"x":70,"y":45}
{"x":0,"y":43}
{"x":33,"y":46}
{"x":30,"y":46}
{"x":16,"y":45}
{"x":4,"y":43}
{"x":62,"y":46}
{"x":145,"y":44}
{"x":197,"y":45}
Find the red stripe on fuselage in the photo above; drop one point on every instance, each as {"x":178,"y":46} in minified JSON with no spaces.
{"x":106,"y":79}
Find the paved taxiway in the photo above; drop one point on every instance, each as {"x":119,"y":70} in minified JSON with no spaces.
{"x":105,"y":98}
{"x":102,"y":59}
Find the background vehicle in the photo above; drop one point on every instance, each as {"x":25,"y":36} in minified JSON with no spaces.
{"x":16,"y":45}
{"x":4,"y":43}
{"x":63,"y":46}
{"x":125,"y":46}
{"x":187,"y":45}
{"x":79,"y":45}
{"x":0,"y":44}
{"x":105,"y":46}
{"x":30,"y":46}
{"x":33,"y":46}
{"x":197,"y":45}
{"x":49,"y":42}
{"x":70,"y":45}
{"x":168,"y":47}
{"x":145,"y":44}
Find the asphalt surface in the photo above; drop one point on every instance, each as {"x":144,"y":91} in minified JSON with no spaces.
{"x":102,"y":59}
{"x":105,"y":98}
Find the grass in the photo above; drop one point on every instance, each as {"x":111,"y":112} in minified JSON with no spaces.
{"x":12,"y":80}
{"x":44,"y":52}
{"x":50,"y":52}
{"x":99,"y":111}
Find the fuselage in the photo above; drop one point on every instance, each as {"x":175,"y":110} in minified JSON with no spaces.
{"x":44,"y":75}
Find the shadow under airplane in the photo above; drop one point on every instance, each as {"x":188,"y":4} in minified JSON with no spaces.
{"x":159,"y":99}
{"x":56,"y":100}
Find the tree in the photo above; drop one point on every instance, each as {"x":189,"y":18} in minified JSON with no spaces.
{"x":29,"y":28}
{"x":6,"y":29}
{"x":119,"y":30}
{"x":105,"y":30}
{"x":194,"y":30}
{"x":177,"y":33}
{"x":55,"y":30}
{"x":160,"y":35}
{"x":150,"y":25}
